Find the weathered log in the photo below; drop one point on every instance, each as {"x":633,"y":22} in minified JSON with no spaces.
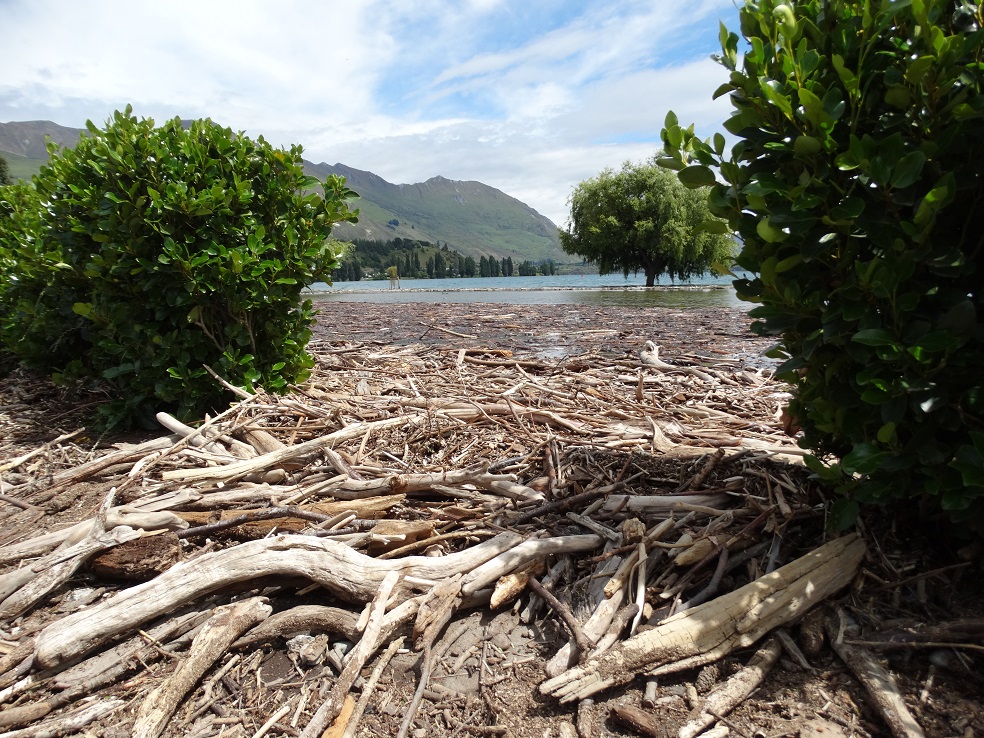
{"x":661,"y":504}
{"x":478,"y":475}
{"x":347,"y":573}
{"x":104,"y":668}
{"x":17,"y":662}
{"x":710,"y":631}
{"x":368,"y":509}
{"x":302,"y":619}
{"x":68,"y":724}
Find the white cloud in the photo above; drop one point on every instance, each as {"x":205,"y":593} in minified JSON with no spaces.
{"x":527,"y":97}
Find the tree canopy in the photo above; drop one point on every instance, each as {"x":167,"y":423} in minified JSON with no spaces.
{"x":642,"y":219}
{"x":4,"y":171}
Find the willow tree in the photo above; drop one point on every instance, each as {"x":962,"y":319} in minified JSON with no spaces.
{"x":642,"y":219}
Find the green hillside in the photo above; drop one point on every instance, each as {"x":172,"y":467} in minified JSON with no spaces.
{"x":474,"y":219}
{"x":22,"y":167}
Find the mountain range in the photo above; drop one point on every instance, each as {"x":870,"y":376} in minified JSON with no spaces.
{"x":472,"y":218}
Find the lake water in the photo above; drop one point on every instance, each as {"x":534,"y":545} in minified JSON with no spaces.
{"x":588,"y":289}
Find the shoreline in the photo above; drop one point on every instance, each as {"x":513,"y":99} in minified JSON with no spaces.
{"x":557,"y":330}
{"x":631,"y":288}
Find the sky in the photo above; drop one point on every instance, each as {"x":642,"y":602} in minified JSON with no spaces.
{"x":528,"y":96}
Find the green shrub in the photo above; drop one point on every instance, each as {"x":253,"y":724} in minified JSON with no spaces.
{"x":158,"y":251}
{"x":31,"y":267}
{"x":857,"y":189}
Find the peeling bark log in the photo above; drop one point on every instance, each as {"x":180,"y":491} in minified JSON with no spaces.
{"x":57,"y":568}
{"x":138,"y":560}
{"x":347,"y":573}
{"x":707,"y":632}
{"x":639,"y":720}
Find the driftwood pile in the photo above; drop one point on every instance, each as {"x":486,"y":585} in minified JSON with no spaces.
{"x":651,"y":513}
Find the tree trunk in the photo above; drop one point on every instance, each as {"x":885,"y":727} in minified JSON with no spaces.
{"x":651,"y":276}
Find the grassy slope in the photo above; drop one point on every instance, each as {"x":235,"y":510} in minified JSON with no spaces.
{"x":471,"y":217}
{"x":21,"y":167}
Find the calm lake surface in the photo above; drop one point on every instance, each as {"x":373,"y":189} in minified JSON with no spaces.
{"x":588,"y":289}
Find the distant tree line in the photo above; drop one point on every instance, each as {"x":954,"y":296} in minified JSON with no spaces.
{"x":370,"y":259}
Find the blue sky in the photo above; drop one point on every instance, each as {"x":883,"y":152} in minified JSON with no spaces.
{"x":529,"y":96}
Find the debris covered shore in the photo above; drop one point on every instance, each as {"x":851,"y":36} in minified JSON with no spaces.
{"x":473,"y":519}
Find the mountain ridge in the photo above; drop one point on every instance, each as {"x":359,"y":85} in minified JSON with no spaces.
{"x":473,"y":218}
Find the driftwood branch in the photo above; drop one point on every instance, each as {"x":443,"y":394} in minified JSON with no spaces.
{"x":877,"y":681}
{"x":356,"y":659}
{"x":212,"y":642}
{"x":734,"y":691}
{"x":69,"y":724}
{"x":707,"y":632}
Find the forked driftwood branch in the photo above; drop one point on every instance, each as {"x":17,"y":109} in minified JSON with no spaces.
{"x":347,"y":573}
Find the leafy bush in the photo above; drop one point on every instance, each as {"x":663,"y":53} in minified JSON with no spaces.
{"x":857,"y":189}
{"x":158,"y":251}
{"x":30,"y":266}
